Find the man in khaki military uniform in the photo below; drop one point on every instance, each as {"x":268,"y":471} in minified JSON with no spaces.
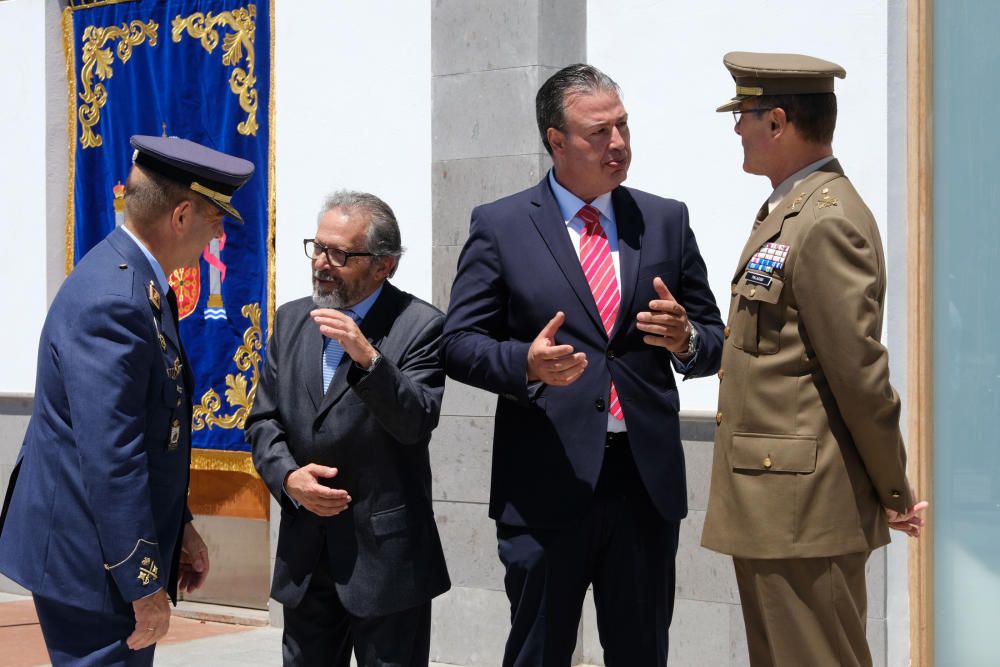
{"x":809,"y":470}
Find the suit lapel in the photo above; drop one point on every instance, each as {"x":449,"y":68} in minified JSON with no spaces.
{"x":628,"y":220}
{"x":786,"y":208}
{"x":312,"y":361}
{"x":549,"y":222}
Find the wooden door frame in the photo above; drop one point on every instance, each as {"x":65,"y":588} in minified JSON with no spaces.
{"x":919,"y":64}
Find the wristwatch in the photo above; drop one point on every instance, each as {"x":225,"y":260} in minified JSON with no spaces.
{"x":374,"y":363}
{"x":692,"y":340}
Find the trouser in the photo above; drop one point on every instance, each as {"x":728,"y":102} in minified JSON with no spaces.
{"x":805,"y":611}
{"x":319,"y":631}
{"x":78,"y":637}
{"x":623,"y":547}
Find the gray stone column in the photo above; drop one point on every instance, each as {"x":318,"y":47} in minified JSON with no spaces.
{"x":488,"y":60}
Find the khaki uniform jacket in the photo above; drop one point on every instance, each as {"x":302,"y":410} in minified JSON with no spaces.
{"x":808,"y":448}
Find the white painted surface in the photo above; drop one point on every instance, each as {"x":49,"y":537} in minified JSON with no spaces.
{"x":353,"y":104}
{"x":353,"y":89}
{"x":667,"y":57}
{"x":22,"y":190}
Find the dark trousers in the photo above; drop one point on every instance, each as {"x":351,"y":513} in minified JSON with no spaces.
{"x":319,"y":631}
{"x":623,"y":547}
{"x":82,"y":638}
{"x":805,"y":611}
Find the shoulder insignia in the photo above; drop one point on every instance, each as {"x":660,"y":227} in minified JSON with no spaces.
{"x":154,"y":295}
{"x":826,"y":201}
{"x":148,"y":571}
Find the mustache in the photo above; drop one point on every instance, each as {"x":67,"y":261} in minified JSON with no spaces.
{"x":323,"y":275}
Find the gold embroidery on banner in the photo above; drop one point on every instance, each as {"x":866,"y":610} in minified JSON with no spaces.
{"x":223,"y":460}
{"x":70,"y":54}
{"x":97,"y":62}
{"x":271,"y":268}
{"x":242,"y":81}
{"x":238,"y":394}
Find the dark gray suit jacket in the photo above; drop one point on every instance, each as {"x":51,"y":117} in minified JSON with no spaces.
{"x":385,"y":553}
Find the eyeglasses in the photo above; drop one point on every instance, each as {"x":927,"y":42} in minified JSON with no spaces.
{"x":335,"y":256}
{"x":739,"y":112}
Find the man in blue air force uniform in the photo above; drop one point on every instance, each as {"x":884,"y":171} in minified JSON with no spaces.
{"x":95,"y":522}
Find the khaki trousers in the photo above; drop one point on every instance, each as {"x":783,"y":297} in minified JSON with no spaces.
{"x":805,"y":611}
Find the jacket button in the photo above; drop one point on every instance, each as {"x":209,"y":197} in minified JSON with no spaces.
{"x":732,"y":290}
{"x":767,"y":462}
{"x":753,"y":290}
{"x":722,"y":373}
{"x":718,"y":417}
{"x":611,"y":354}
{"x":726,"y":332}
{"x":895,"y":494}
{"x":599,"y":405}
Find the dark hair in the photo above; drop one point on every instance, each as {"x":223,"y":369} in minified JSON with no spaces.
{"x":550,"y":102}
{"x":814,"y":116}
{"x":149,"y":195}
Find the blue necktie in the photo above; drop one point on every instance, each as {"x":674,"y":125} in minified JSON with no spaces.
{"x":333,"y":352}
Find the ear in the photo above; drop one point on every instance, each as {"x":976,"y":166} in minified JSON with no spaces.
{"x":779,"y":122}
{"x":385,"y":266}
{"x":181,"y":215}
{"x":556,"y":138}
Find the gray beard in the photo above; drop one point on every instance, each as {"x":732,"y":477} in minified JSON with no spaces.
{"x":328,"y":299}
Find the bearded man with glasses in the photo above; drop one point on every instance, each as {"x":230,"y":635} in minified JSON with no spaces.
{"x":340,"y":426}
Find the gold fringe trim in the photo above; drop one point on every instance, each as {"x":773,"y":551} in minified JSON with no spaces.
{"x":271,"y":199}
{"x":221,"y":460}
{"x":67,"y":28}
{"x":99,"y":3}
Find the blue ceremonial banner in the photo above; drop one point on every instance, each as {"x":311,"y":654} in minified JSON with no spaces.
{"x":201,"y":70}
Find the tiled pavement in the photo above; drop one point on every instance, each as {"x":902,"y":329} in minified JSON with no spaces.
{"x":189,"y":642}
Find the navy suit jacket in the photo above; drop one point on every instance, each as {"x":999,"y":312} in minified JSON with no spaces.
{"x":98,"y":498}
{"x":374,"y":427}
{"x":517,"y":269}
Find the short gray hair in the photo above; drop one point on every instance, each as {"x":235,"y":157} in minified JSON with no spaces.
{"x":382,"y":236}
{"x":550,"y":102}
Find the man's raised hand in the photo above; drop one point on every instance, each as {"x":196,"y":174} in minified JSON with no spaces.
{"x":554,"y":364}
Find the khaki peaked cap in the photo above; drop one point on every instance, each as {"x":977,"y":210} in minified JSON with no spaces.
{"x":758,"y":74}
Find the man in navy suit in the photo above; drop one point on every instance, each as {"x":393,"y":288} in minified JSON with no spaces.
{"x":95,"y":523}
{"x":573,"y":300}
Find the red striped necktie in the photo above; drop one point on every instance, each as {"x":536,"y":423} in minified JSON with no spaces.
{"x":595,"y":256}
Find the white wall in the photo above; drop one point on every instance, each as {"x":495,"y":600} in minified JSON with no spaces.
{"x":353,"y":89}
{"x":667,"y":56}
{"x":22,"y":190}
{"x":353,"y":104}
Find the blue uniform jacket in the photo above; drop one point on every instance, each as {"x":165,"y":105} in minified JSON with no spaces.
{"x":97,"y":501}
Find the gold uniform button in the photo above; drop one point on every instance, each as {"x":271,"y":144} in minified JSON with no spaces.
{"x":726,"y":332}
{"x":718,"y":417}
{"x":767,"y":462}
{"x":753,"y":290}
{"x":722,"y":373}
{"x":732,"y":290}
{"x":895,"y":494}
